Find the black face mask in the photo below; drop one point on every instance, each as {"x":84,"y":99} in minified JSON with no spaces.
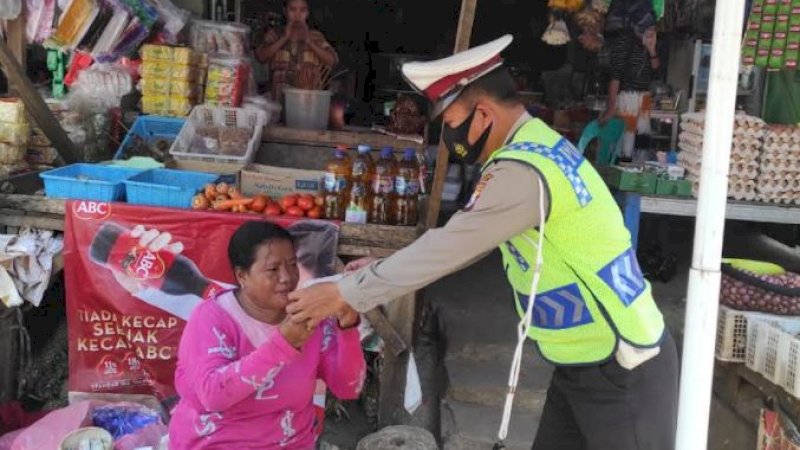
{"x":457,"y":140}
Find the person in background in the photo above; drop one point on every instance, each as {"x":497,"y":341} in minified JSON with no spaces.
{"x":286,"y":50}
{"x":246,"y":374}
{"x":631,"y":39}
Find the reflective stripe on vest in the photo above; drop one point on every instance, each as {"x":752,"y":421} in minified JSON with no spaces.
{"x":567,"y":158}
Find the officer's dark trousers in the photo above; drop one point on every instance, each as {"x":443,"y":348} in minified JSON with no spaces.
{"x":607,"y":407}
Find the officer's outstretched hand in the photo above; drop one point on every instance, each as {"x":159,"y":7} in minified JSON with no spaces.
{"x":315,"y":303}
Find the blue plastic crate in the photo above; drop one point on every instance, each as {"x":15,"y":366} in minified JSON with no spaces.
{"x":152,"y":128}
{"x":87,"y":182}
{"x":166,"y":187}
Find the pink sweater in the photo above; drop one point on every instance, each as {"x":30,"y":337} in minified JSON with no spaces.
{"x":243,"y":386}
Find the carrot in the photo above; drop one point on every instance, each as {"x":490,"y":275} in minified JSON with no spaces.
{"x":220,"y":198}
{"x":223,"y":188}
{"x":200,"y":202}
{"x":210,"y":192}
{"x":234,"y":193}
{"x":225,"y":205}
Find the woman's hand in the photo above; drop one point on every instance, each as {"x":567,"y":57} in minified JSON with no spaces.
{"x":295,"y":333}
{"x":348,"y":318}
{"x":299,"y":31}
{"x":357,"y":264}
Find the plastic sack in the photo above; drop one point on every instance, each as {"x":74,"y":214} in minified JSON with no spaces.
{"x":10,"y":9}
{"x":100,"y":88}
{"x":122,"y":419}
{"x":48,"y":432}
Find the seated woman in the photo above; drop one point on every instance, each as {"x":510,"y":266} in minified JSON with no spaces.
{"x":292,"y":48}
{"x":246,"y":374}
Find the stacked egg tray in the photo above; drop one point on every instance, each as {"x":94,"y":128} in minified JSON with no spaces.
{"x":748,"y":135}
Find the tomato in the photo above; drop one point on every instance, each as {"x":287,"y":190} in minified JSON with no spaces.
{"x":305,"y":202}
{"x":222,"y":188}
{"x":259,"y":203}
{"x":273,"y":209}
{"x":288,"y":201}
{"x":295,"y":211}
{"x":319,"y":200}
{"x":315,"y":213}
{"x":200,"y":202}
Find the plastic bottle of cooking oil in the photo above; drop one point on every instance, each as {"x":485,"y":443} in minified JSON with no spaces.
{"x":336,"y":184}
{"x":406,"y":187}
{"x":362,"y":172}
{"x":380,"y":210}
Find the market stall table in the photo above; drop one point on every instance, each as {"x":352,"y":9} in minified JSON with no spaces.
{"x":633,"y":205}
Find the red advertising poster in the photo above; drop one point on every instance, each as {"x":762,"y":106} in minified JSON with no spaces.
{"x":127,"y":305}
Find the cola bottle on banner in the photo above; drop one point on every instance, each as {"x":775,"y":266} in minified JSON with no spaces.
{"x":114,"y":248}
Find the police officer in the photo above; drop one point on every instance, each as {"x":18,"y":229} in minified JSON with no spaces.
{"x":594,"y":317}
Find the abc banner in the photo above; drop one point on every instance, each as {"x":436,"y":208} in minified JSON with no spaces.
{"x":127,"y":305}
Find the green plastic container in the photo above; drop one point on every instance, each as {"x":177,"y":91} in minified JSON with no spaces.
{"x":680,"y":188}
{"x":620,"y":179}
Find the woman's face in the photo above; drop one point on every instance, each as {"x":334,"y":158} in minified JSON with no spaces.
{"x":272,"y":276}
{"x":297,"y":11}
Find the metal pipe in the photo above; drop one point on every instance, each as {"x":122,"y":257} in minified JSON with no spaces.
{"x":704,"y":276}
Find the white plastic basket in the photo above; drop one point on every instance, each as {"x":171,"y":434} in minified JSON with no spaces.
{"x":205,"y":116}
{"x":731,"y":342}
{"x":773,"y":350}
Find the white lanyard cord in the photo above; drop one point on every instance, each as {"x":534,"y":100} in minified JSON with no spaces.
{"x":524,"y":325}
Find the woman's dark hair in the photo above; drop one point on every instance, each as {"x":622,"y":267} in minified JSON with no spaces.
{"x":245,"y":241}
{"x":286,"y":3}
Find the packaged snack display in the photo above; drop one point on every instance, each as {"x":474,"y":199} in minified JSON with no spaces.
{"x":227,"y":81}
{"x":220,"y":38}
{"x":170,"y":80}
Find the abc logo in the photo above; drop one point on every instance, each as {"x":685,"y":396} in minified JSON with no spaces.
{"x":91,"y":210}
{"x":147,"y":265}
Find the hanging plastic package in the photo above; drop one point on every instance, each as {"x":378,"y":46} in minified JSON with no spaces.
{"x":10,"y":9}
{"x":96,"y":29}
{"x":111,"y":35}
{"x":39,"y":20}
{"x":74,"y":23}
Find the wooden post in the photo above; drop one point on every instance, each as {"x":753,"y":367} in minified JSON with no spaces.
{"x":463,"y":36}
{"x":37,"y":108}
{"x":16,"y":39}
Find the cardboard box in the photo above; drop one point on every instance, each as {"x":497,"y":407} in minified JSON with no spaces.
{"x":279,"y":181}
{"x":228,"y":173}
